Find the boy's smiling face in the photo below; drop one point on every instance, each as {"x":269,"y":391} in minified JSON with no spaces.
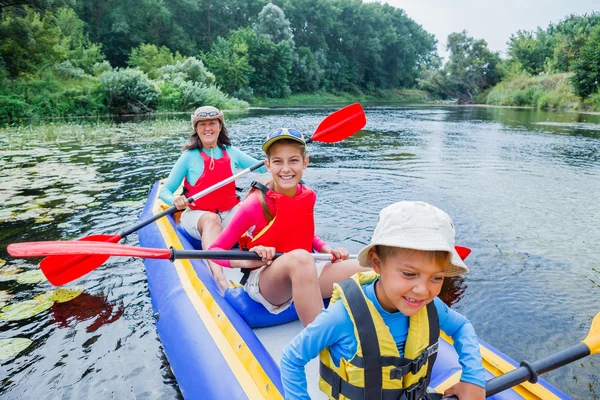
{"x":409,"y":280}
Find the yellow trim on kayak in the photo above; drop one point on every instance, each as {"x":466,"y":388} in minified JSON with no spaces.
{"x":248,"y":371}
{"x":496,"y":365}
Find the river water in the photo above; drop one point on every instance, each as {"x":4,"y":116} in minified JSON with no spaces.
{"x":522,"y":187}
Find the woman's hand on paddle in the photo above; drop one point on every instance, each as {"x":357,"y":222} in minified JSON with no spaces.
{"x":180,"y":202}
{"x":339,"y":254}
{"x":266,"y":253}
{"x":466,"y":391}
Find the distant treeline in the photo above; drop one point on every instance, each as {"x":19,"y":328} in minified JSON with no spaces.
{"x":555,"y":68}
{"x":65,"y":57}
{"x":140,"y":55}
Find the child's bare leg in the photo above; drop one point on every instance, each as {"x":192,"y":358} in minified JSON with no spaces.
{"x":209,"y":226}
{"x":337,"y":272}
{"x":293,"y":275}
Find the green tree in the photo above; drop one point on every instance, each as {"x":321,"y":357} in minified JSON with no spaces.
{"x":75,"y":43}
{"x":586,"y":68}
{"x":273,"y":24}
{"x":149,"y":58}
{"x":28,"y":41}
{"x":228,"y":60}
{"x":471,"y":67}
{"x":531,"y":49}
{"x":272,"y":63}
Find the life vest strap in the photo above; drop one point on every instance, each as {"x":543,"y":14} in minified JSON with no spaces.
{"x":259,"y":186}
{"x":340,"y":386}
{"x":413,"y":366}
{"x":373,"y":376}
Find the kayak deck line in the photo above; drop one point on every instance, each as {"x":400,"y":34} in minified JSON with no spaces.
{"x":244,"y":365}
{"x":497,"y":365}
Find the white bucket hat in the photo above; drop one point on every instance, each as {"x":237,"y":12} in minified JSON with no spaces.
{"x":419,"y":226}
{"x":206,"y":112}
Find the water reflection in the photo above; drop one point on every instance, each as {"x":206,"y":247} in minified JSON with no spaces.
{"x":85,"y":307}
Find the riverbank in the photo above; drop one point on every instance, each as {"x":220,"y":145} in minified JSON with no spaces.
{"x":388,"y":96}
{"x":543,"y":91}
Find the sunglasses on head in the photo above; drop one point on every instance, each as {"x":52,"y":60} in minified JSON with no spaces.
{"x":286,"y":132}
{"x":207,"y":114}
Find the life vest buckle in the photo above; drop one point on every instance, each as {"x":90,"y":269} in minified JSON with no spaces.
{"x":418,"y":390}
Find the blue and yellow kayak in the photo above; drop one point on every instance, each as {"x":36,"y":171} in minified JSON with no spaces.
{"x":214,"y":352}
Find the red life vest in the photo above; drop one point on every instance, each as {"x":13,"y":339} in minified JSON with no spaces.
{"x":293,"y":226}
{"x":222,"y":199}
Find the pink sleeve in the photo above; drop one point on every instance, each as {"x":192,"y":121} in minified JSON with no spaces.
{"x":318,"y":243}
{"x":246,"y":217}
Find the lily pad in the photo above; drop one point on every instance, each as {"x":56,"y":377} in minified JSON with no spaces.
{"x":129,"y":204}
{"x":24,"y":309}
{"x":5,"y":296}
{"x":29,"y":277}
{"x":13,"y":346}
{"x":2,"y":262}
{"x":8,"y":277}
{"x":10,"y":270}
{"x":60,"y":295}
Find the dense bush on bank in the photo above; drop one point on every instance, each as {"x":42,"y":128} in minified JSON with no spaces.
{"x":554,"y":92}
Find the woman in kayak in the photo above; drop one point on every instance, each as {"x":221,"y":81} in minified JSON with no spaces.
{"x":208,"y":158}
{"x":279,"y":217}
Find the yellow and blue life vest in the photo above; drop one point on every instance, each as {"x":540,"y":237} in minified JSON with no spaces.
{"x":377,"y":371}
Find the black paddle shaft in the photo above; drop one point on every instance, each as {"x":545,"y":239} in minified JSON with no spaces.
{"x":171,"y":210}
{"x":215,"y":255}
{"x":531,"y":371}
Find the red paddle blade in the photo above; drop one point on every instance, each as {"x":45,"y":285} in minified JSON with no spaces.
{"x":63,"y":269}
{"x":92,"y":255}
{"x":341,"y":124}
{"x":463,"y":252}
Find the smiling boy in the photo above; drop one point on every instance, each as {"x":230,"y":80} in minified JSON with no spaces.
{"x":378,"y":338}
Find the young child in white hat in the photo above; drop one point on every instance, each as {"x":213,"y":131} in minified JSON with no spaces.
{"x":379,"y":336}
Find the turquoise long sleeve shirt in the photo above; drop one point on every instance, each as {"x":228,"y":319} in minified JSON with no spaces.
{"x":333,"y":328}
{"x":191,"y":166}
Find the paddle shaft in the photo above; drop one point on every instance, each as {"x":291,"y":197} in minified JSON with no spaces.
{"x":531,"y":371}
{"x":191,"y":199}
{"x":233,"y":255}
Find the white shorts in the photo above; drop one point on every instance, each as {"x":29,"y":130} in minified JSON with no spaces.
{"x":253,"y":290}
{"x":189,"y":219}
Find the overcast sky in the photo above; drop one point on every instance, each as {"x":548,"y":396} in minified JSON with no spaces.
{"x":493,"y":21}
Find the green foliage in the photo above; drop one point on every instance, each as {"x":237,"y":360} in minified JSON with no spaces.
{"x":128,"y":91}
{"x":13,"y":108}
{"x":74,"y":43}
{"x":66,"y":70}
{"x":149,"y":58}
{"x":308,"y":71}
{"x":29,"y":41}
{"x":101,"y":67}
{"x":587,"y":67}
{"x":179,"y":94}
{"x":273,"y":24}
{"x":543,"y":91}
{"x":228,"y":60}
{"x":530,"y":49}
{"x":191,"y":69}
{"x":471,"y":67}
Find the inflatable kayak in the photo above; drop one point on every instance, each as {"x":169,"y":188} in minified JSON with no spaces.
{"x":223,"y":346}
